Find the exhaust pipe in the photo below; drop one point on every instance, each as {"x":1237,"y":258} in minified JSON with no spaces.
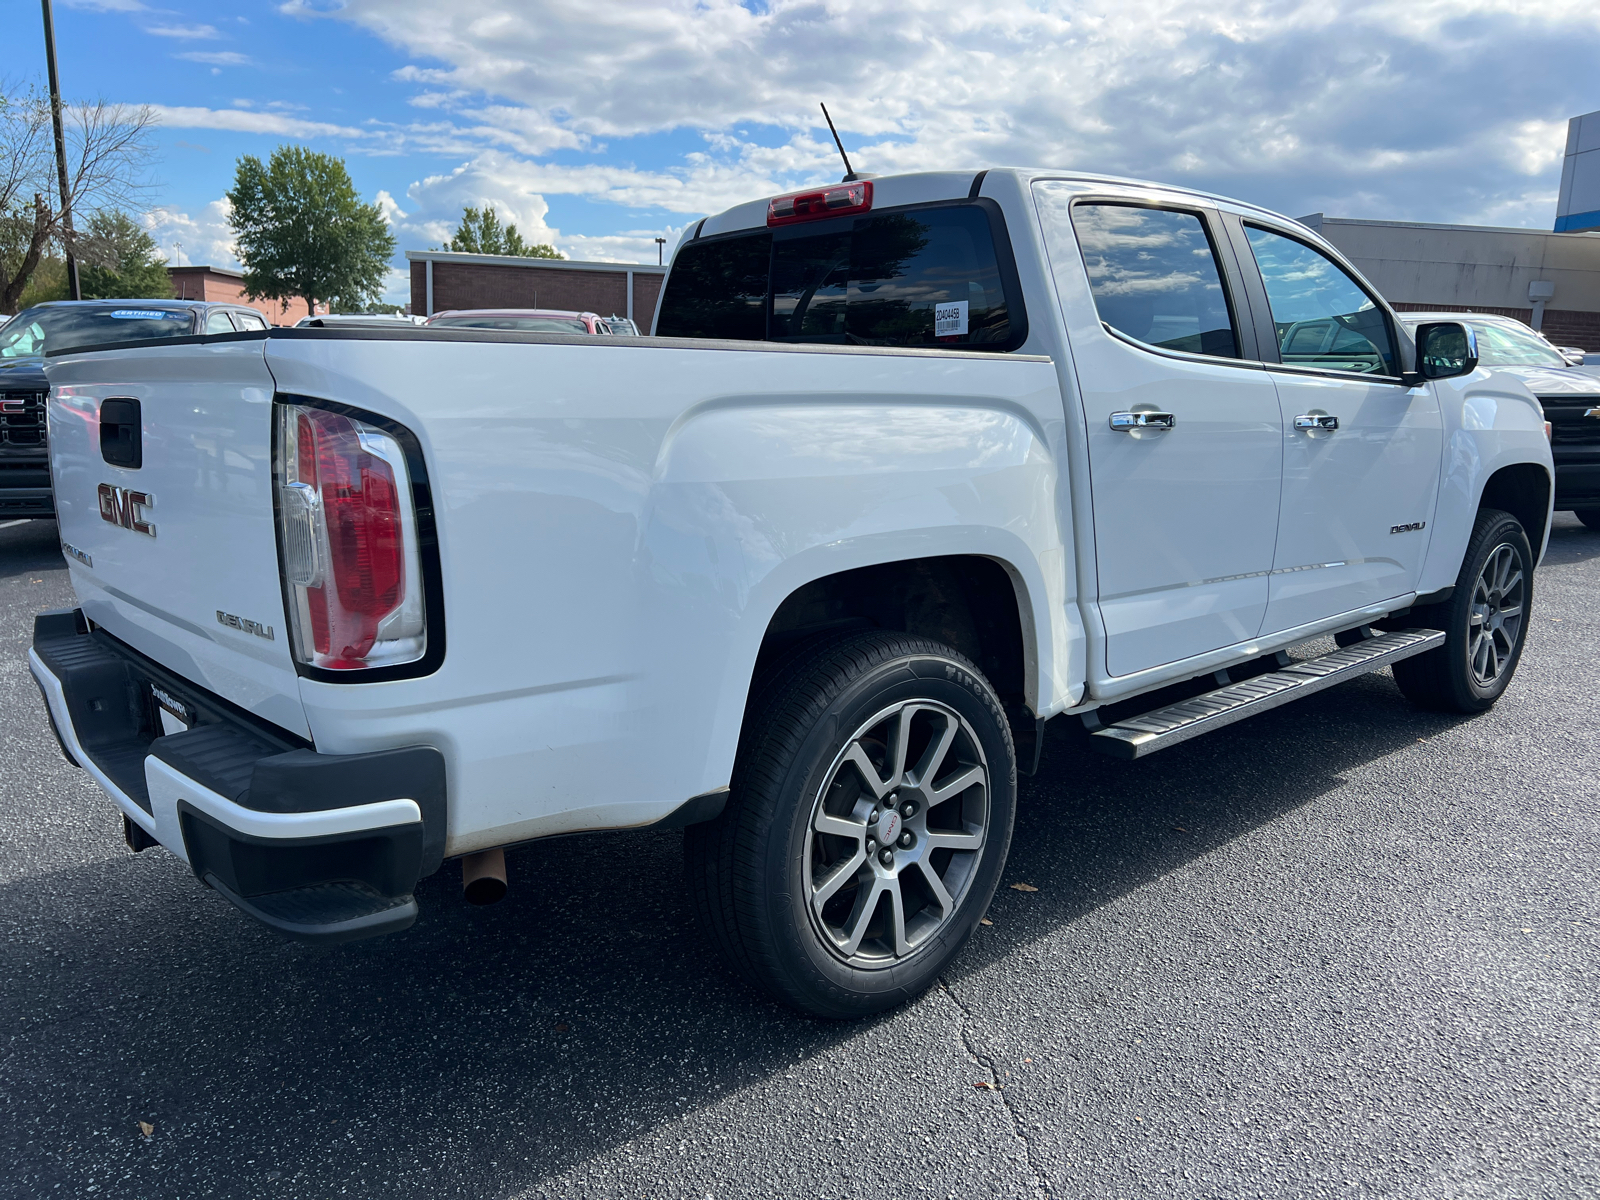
{"x":483,"y":876}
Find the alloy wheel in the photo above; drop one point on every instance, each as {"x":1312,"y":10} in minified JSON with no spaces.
{"x":896,"y":833}
{"x":1496,"y":613}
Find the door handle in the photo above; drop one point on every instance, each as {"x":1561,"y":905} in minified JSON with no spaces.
{"x":1321,"y":422}
{"x":1126,"y":422}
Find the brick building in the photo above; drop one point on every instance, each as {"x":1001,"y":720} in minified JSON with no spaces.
{"x":222,"y":286}
{"x":441,"y":281}
{"x":1548,"y":280}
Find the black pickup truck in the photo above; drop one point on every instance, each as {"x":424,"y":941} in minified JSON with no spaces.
{"x":24,"y":458}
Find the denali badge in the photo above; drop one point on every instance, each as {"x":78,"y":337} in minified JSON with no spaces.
{"x":244,"y":626}
{"x":72,"y":551}
{"x":1411,"y":528}
{"x":121,"y":506}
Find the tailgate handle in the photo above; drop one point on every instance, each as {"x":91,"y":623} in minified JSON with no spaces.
{"x":119,"y":434}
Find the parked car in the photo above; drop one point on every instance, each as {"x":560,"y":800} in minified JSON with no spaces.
{"x":24,"y":338}
{"x":521,"y":320}
{"x":621,"y":326}
{"x":1570,"y":395}
{"x":910,"y":466}
{"x":356,"y":321}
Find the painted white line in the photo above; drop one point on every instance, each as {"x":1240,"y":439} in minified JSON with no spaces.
{"x":9,"y":524}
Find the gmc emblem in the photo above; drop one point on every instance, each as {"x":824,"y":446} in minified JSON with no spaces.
{"x":121,"y":506}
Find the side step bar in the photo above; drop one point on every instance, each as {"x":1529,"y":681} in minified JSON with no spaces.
{"x":1138,"y":736}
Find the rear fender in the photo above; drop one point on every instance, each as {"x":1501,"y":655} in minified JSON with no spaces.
{"x":751,"y":504}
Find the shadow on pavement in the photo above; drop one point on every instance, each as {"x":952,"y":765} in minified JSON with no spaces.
{"x":496,"y":1047}
{"x":30,"y":547}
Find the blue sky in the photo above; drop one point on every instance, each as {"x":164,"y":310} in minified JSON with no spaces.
{"x":603,"y":126}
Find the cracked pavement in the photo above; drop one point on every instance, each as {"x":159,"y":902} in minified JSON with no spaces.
{"x":1344,"y":949}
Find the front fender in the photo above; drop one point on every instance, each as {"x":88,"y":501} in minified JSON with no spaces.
{"x":1491,"y":421}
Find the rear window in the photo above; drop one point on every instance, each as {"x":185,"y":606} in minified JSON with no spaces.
{"x":925,"y":277}
{"x":37,"y":330}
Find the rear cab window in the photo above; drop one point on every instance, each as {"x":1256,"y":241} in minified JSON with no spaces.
{"x":1155,"y":277}
{"x":926,"y":276}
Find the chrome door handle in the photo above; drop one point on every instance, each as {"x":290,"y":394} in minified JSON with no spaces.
{"x":1318,"y":421}
{"x":1128,"y":421}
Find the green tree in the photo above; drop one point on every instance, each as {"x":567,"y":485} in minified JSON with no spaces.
{"x":303,"y":232}
{"x":480,"y":232}
{"x":117,"y":261}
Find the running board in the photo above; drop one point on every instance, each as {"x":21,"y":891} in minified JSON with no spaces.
{"x":1152,"y":731}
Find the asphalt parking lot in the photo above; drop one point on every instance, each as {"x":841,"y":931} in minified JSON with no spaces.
{"x":1346,"y":949}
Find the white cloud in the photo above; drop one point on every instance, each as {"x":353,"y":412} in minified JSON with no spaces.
{"x":1436,"y":108}
{"x":216,"y":58}
{"x":185,"y":32}
{"x":244,"y":121}
{"x":388,"y":209}
{"x":206,"y":239}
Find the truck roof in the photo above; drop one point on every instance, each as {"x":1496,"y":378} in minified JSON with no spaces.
{"x":922,"y":187}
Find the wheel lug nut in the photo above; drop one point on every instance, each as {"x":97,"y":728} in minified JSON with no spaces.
{"x":872,"y":845}
{"x":905,"y":841}
{"x":908,"y":809}
{"x":886,"y":857}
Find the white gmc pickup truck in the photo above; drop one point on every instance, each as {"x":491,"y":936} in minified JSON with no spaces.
{"x":910,"y":466}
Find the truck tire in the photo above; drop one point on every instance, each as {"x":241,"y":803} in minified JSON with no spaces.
{"x":1485,"y":622}
{"x":1589,"y":516}
{"x":849,"y":740}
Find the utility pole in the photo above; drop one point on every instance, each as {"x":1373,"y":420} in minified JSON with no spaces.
{"x":74,"y":290}
{"x":661,"y":243}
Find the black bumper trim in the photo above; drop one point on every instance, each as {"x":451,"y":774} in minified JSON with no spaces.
{"x":286,"y":912}
{"x":227,"y":750}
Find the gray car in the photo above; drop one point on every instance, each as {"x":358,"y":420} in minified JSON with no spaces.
{"x":24,"y":457}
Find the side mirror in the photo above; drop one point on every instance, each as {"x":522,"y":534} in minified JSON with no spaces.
{"x":1445,"y":349}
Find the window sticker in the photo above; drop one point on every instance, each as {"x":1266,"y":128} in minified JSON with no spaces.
{"x":950,"y":320}
{"x":146,"y":314}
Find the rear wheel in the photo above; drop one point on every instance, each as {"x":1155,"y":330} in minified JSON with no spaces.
{"x":867,"y":824}
{"x":1485,"y":623}
{"x":1589,"y":516}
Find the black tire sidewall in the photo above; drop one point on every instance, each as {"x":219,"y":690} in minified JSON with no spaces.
{"x":830,"y":984}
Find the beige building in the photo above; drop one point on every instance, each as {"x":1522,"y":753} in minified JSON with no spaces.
{"x":1549,"y":280}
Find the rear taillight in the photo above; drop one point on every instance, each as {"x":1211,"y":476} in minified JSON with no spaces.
{"x":837,"y":201}
{"x":349,"y":542}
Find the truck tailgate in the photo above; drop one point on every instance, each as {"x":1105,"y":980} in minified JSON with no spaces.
{"x":178,"y":555}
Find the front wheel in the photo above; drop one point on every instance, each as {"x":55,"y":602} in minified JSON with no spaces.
{"x":1485,"y":623}
{"x":867,"y":824}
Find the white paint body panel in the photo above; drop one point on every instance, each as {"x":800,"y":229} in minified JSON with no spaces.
{"x":1345,"y":490}
{"x":618,"y":522}
{"x":612,"y":555}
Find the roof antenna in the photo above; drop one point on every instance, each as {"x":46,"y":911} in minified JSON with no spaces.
{"x":850,"y":175}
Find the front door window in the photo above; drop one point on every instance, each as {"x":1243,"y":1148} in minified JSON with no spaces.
{"x":1322,"y":317}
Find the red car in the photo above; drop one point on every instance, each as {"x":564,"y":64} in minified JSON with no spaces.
{"x":524,"y":320}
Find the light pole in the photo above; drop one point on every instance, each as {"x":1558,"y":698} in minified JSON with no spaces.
{"x":661,"y":243}
{"x":74,"y":290}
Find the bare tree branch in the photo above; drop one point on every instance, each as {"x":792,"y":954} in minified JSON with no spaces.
{"x":109,"y":147}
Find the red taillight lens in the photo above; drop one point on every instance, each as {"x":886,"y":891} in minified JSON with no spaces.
{"x":349,"y":542}
{"x":838,"y":201}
